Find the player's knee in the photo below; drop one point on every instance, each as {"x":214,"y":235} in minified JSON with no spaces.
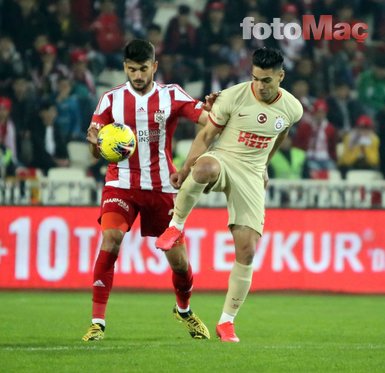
{"x":206,"y":170}
{"x":245,"y":254}
{"x":112,"y":238}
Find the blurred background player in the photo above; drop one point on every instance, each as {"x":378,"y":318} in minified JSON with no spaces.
{"x":141,"y":185}
{"x":252,"y":119}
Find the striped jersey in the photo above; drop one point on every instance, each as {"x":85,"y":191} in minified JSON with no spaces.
{"x":153,"y":117}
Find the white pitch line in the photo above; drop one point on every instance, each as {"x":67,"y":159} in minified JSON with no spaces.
{"x":61,"y":348}
{"x":265,"y":347}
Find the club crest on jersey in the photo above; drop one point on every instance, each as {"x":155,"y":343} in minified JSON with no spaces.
{"x":160,"y":117}
{"x":261,"y":118}
{"x":279,"y":123}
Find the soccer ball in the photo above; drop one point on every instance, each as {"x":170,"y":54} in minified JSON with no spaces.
{"x":116,"y":142}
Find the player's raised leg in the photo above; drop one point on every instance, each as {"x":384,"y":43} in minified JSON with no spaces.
{"x":104,"y":272}
{"x":245,"y":240}
{"x":182,"y":280}
{"x":205,"y":171}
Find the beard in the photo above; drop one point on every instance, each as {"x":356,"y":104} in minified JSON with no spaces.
{"x":140,"y":85}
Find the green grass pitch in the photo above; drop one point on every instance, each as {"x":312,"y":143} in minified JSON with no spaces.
{"x":41,"y":332}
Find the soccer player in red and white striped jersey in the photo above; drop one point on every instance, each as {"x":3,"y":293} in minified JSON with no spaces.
{"x":140,"y":184}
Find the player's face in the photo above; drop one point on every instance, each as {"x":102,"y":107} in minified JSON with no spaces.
{"x":266,"y":83}
{"x":140,"y":75}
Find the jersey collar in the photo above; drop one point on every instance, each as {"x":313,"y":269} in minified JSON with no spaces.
{"x":137,"y":95}
{"x":279,"y":95}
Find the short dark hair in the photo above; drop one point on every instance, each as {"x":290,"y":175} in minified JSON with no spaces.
{"x":268,"y":58}
{"x":154,"y":27}
{"x":139,"y":50}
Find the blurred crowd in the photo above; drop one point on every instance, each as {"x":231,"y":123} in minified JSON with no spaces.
{"x":52,"y":53}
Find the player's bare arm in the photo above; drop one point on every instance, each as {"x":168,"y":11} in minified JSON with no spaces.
{"x":202,"y":141}
{"x":276,"y":146}
{"x":209,"y":102}
{"x":92,"y":138}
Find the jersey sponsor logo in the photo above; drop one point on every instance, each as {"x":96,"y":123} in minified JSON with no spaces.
{"x":279,"y":123}
{"x":252,"y":140}
{"x":141,"y":110}
{"x":148,"y":135}
{"x":118,"y":201}
{"x":261,"y":118}
{"x":243,"y":115}
{"x":160,"y":118}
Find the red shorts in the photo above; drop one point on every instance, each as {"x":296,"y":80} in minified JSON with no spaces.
{"x":155,"y":208}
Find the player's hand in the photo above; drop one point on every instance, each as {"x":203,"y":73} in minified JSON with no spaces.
{"x":265,"y":179}
{"x":177,"y":178}
{"x":92,"y":133}
{"x":210,"y":99}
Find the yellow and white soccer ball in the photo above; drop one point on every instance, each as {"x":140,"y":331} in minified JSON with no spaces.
{"x":116,"y":142}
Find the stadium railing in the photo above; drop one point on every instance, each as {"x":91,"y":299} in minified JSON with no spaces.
{"x":84,"y":191}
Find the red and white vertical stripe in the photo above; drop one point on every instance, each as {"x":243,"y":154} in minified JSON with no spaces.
{"x":151,"y":164}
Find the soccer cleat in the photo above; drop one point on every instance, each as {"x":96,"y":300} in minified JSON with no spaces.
{"x":95,"y":333}
{"x":168,"y":238}
{"x":226,"y":332}
{"x":193,"y":323}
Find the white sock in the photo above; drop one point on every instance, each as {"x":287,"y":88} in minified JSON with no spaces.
{"x":225,"y":317}
{"x":183,"y":310}
{"x":99,"y":321}
{"x":176,"y":225}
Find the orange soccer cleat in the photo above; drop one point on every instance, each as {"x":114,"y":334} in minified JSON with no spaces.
{"x":226,"y":332}
{"x":168,"y":238}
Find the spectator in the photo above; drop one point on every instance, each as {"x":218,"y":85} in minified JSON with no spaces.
{"x":380,"y":118}
{"x":24,"y":23}
{"x":300,"y":90}
{"x":181,"y":41}
{"x":33,"y":54}
{"x":68,"y":117}
{"x":46,"y":74}
{"x":345,"y":65}
{"x":360,"y":147}
{"x":180,"y":36}
{"x":289,"y":162}
{"x":318,"y":138}
{"x":213,"y":32}
{"x":169,"y":71}
{"x":291,"y":48}
{"x":371,"y":85}
{"x":259,"y":17}
{"x":109,"y":34}
{"x":83,"y":86}
{"x":83,"y":13}
{"x":220,"y":76}
{"x":305,"y":69}
{"x":82,"y":77}
{"x":238,"y":55}
{"x":154,"y":36}
{"x":63,"y":27}
{"x":50,"y":149}
{"x":23,"y":114}
{"x":11,"y":63}
{"x":131,"y":12}
{"x":96,"y":60}
{"x":7,"y":130}
{"x":343,"y":108}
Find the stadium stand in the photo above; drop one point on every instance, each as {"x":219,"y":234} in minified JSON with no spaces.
{"x":342,"y":73}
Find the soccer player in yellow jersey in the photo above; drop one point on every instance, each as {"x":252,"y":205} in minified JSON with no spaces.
{"x":251,"y":119}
